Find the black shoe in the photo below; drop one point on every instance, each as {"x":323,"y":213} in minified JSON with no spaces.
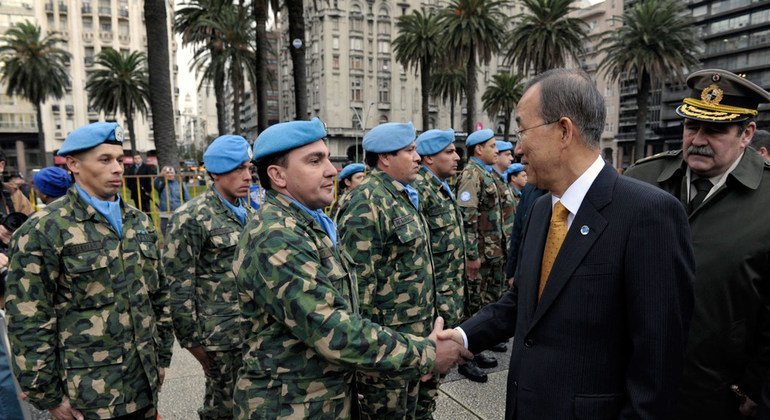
{"x":499,"y":347}
{"x":485,"y":361}
{"x":472,"y":372}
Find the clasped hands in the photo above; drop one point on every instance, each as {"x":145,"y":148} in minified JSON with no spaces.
{"x":450,"y":349}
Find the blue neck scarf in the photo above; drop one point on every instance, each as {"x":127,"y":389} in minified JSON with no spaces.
{"x":109,"y":209}
{"x":489,"y":168}
{"x":325,"y":221}
{"x":414,"y":196}
{"x":443,"y":182}
{"x":239,"y":211}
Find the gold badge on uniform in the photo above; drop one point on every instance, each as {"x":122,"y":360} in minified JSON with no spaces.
{"x":712,"y":95}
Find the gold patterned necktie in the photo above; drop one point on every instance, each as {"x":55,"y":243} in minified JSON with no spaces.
{"x":556,"y":233}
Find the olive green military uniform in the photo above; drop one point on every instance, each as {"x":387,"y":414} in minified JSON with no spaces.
{"x":88,"y":311}
{"x":729,"y":340}
{"x":507,"y":208}
{"x":304,"y":338}
{"x":479,"y":200}
{"x":388,"y":240}
{"x":198,"y":258}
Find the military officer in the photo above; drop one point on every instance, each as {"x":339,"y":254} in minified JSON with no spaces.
{"x":507,"y":200}
{"x":198,"y":259}
{"x":438,"y":206}
{"x":349,"y":177}
{"x":304,"y":336}
{"x":88,"y":302}
{"x":726,"y":189}
{"x":479,"y":199}
{"x":383,"y":230}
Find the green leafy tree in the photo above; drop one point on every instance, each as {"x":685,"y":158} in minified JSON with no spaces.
{"x":502,"y":96}
{"x":417,"y":45}
{"x":35,"y":68}
{"x":449,"y":85}
{"x":657,"y":41}
{"x":120,"y":84}
{"x":545,"y":36}
{"x":473,"y":30}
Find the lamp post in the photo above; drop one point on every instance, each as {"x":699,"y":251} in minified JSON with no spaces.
{"x":362,"y":123}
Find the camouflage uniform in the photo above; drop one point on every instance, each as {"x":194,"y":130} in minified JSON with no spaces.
{"x":88,"y":310}
{"x":388,"y":240}
{"x":507,"y":208}
{"x":304,"y":339}
{"x":479,"y":201}
{"x":198,"y":260}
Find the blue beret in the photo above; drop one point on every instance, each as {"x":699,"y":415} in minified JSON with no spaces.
{"x":90,"y":136}
{"x":52,"y":181}
{"x":226,"y":153}
{"x":434,"y":141}
{"x":479,"y":137}
{"x":351,"y":169}
{"x":503,"y":146}
{"x":515,"y":168}
{"x":389,"y":137}
{"x":286,"y":136}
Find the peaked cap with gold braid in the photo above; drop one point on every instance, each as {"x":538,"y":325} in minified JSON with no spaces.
{"x":722,"y":97}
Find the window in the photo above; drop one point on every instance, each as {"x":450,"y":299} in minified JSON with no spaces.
{"x":356,"y":23}
{"x":105,"y":24}
{"x":336,"y":23}
{"x":356,"y":44}
{"x":88,"y":24}
{"x":356,"y":63}
{"x":383,"y":88}
{"x":123,"y":28}
{"x":335,"y":62}
{"x":356,"y":93}
{"x":335,"y":42}
{"x":383,"y":64}
{"x":383,"y":27}
{"x":383,"y":47}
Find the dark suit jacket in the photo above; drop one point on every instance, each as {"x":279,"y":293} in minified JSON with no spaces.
{"x":606,"y":341}
{"x":529,"y":195}
{"x":141,"y":190}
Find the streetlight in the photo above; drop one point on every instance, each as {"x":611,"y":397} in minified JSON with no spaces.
{"x":362,"y":123}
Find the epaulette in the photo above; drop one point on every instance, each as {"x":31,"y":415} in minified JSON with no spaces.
{"x":668,"y":154}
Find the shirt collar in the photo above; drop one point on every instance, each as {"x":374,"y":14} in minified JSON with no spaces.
{"x":576,"y":192}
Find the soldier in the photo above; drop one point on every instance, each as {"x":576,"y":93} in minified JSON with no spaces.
{"x":89,"y":319}
{"x":51,"y":183}
{"x":479,"y":200}
{"x":726,"y":189}
{"x":761,"y":143}
{"x":304,"y":336}
{"x":198,"y":258}
{"x":507,"y":200}
{"x":517,"y":180}
{"x":350,"y":177}
{"x":388,"y":239}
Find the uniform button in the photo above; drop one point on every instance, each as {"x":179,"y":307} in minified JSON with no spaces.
{"x":528,"y":343}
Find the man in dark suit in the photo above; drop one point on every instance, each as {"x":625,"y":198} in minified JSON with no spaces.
{"x":140,"y":184}
{"x":603,"y":294}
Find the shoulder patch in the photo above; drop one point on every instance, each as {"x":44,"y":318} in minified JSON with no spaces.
{"x":465,"y":196}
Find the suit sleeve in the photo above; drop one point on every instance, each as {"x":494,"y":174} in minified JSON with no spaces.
{"x":495,"y":322}
{"x":659,"y":275}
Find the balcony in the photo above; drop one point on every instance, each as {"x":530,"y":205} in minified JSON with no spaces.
{"x":88,"y":37}
{"x":105,"y":36}
{"x":124,"y":38}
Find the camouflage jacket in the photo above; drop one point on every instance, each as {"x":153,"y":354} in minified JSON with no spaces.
{"x":479,"y":201}
{"x":303,"y":337}
{"x":198,"y":258}
{"x":88,"y":310}
{"x":388,"y":240}
{"x":447,"y":244}
{"x":507,"y":208}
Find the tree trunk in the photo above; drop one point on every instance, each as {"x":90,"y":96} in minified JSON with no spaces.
{"x":642,"y":103}
{"x":260,"y":16}
{"x":131,"y":135}
{"x":452,"y":113}
{"x":425,"y":83}
{"x":219,"y":95}
{"x":507,"y":124}
{"x":470,"y":91}
{"x":237,"y":79}
{"x":44,"y":160}
{"x":297,"y":32}
{"x":161,"y":102}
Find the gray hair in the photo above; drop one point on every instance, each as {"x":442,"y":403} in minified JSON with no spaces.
{"x":761,"y":139}
{"x":571,"y":93}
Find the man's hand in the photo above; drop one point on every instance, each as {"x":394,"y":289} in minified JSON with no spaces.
{"x":161,"y":377}
{"x":64,"y":411}
{"x":453,"y":335}
{"x":748,"y":408}
{"x":203,"y":358}
{"x":472,"y":268}
{"x":448,"y":352}
{"x":3,"y":261}
{"x":5,"y":235}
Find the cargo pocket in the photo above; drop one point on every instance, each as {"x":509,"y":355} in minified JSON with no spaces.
{"x":94,"y":379}
{"x":315,"y":399}
{"x":150,"y":257}
{"x":89,"y":277}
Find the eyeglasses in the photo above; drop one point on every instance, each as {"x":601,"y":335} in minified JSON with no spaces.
{"x":517,"y":133}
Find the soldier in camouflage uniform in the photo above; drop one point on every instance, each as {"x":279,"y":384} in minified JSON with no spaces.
{"x":89,"y":318}
{"x":350,"y":177}
{"x":198,"y":259}
{"x":382,"y":229}
{"x":304,"y":336}
{"x":507,"y":200}
{"x":479,"y":199}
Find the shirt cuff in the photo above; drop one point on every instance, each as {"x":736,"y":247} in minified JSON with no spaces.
{"x":465,"y":337}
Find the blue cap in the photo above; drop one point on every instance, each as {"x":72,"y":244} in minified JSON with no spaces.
{"x":226,"y":153}
{"x":389,"y":137}
{"x":52,"y":181}
{"x":286,"y":136}
{"x":434,"y":141}
{"x":515,"y":168}
{"x":479,"y":137}
{"x":503,"y":146}
{"x":351,"y":169}
{"x":90,"y":136}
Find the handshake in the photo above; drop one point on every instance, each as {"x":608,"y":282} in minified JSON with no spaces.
{"x":450,"y":349}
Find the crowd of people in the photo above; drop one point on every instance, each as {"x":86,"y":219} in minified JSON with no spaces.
{"x":643,"y":295}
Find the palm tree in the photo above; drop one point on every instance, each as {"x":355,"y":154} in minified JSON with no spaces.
{"x":161,"y":103}
{"x":502,"y":96}
{"x":417,"y":44}
{"x":120,"y":85}
{"x":473,"y":30}
{"x":544,"y":37}
{"x":297,"y":51}
{"x":259,"y":10}
{"x":449,"y":85}
{"x":656,"y":41}
{"x":35,"y":68}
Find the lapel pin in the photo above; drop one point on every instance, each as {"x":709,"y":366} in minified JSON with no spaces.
{"x":584,"y":230}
